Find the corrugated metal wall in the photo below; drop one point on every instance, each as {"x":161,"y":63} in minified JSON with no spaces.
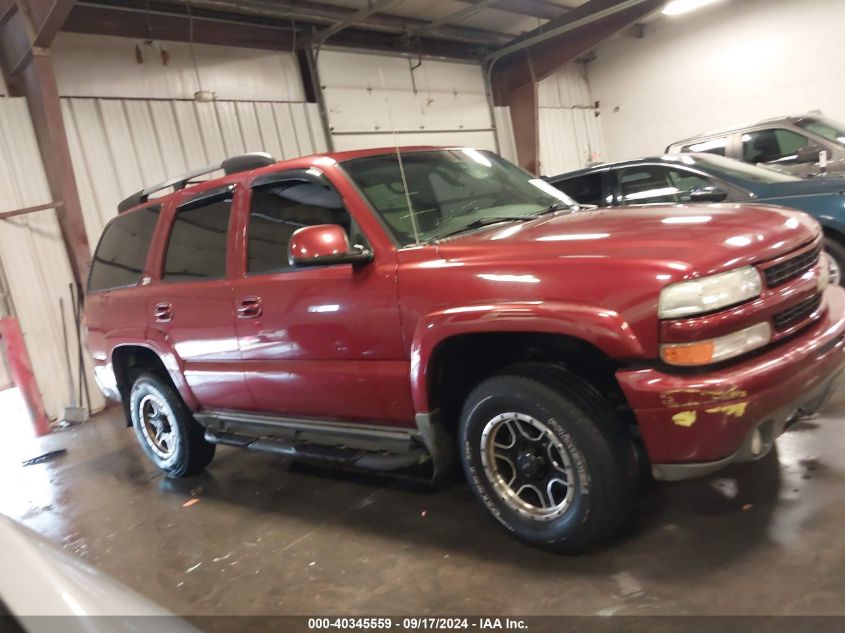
{"x":436,"y":103}
{"x":119,"y":146}
{"x":34,"y":258}
{"x":570,"y":133}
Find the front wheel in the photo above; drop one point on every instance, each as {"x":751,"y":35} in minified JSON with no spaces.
{"x":167,"y":431}
{"x":836,"y":251}
{"x":549,"y":460}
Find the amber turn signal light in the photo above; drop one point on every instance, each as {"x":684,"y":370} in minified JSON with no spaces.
{"x":693,"y":354}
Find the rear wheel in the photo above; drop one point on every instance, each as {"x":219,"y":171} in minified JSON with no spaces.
{"x":549,"y":460}
{"x":166,"y":429}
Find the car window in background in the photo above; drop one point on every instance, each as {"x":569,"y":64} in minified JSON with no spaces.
{"x":654,"y":183}
{"x":739,"y":171}
{"x":770,"y":146}
{"x":279,"y":209}
{"x":197,"y":246}
{"x":122,"y":251}
{"x":711,"y":146}
{"x":826,"y":128}
{"x":584,"y":189}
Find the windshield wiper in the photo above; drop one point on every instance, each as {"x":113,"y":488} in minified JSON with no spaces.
{"x":482,"y":222}
{"x":557,"y":206}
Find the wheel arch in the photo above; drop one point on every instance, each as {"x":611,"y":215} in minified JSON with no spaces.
{"x":454,"y":350}
{"x":131,"y":359}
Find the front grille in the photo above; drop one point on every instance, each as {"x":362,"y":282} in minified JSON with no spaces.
{"x":797,"y":313}
{"x":791,"y":268}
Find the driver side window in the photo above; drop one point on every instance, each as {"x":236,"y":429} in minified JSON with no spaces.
{"x":652,"y":184}
{"x":773,"y":145}
{"x":278,"y":209}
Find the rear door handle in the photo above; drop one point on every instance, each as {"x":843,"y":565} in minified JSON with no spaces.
{"x":163,"y":312}
{"x":249,"y":308}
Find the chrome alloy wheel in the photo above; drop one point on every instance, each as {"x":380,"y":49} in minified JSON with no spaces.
{"x":528,"y":466}
{"x":835,"y":272}
{"x":156,"y":425}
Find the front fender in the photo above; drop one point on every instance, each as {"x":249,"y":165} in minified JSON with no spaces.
{"x":604,"y":329}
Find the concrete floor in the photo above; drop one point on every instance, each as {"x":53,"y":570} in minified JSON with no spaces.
{"x":265,"y":538}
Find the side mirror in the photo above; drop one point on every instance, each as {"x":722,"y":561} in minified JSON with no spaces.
{"x":707,"y":194}
{"x":808,"y":154}
{"x":322,"y":245}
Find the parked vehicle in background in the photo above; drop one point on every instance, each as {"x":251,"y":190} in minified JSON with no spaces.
{"x":707,"y":178}
{"x":791,"y":144}
{"x":372,"y":311}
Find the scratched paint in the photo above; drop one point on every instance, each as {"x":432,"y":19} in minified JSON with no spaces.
{"x":736,"y":410}
{"x":695,"y":397}
{"x":684,"y":418}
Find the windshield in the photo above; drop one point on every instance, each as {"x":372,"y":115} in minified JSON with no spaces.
{"x":449,"y":190}
{"x":831,"y":130}
{"x":730,"y":168}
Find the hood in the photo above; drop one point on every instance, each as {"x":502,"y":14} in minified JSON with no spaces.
{"x":806,"y":187}
{"x":697,"y":240}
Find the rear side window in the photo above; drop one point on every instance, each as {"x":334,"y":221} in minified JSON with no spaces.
{"x":584,"y":189}
{"x":197,"y":246}
{"x":710,"y":146}
{"x":122,"y":251}
{"x":770,"y":146}
{"x":279,"y":209}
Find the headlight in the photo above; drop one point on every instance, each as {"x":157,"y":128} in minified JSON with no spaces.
{"x":709,"y":293}
{"x":717,"y":349}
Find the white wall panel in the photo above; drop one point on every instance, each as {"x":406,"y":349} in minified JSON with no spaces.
{"x":727,"y":64}
{"x":239,"y":74}
{"x":34,"y":259}
{"x":119,"y":146}
{"x":570,"y":133}
{"x":438,"y":103}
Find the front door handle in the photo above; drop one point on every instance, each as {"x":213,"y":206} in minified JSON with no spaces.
{"x":249,"y":308}
{"x":163,"y":312}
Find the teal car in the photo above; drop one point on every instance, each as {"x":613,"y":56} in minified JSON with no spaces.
{"x":696,"y":178}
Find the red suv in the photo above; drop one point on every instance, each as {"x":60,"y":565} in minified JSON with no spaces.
{"x":406,"y":309}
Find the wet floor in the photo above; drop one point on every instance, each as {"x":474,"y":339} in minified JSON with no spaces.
{"x":266,"y":538}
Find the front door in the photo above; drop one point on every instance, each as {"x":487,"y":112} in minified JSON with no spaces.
{"x":191,"y":304}
{"x":319,"y":341}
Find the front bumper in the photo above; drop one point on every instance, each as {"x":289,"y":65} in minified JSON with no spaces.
{"x":694,"y":424}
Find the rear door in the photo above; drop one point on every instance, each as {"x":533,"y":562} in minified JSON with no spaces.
{"x":190,"y":307}
{"x":322,"y":341}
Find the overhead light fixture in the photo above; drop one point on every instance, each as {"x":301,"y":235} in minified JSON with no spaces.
{"x":677,"y":7}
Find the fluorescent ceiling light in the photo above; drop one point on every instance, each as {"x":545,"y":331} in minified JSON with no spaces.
{"x":677,"y":7}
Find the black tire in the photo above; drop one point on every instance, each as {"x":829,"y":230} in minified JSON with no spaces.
{"x":586,"y":433}
{"x":181,"y":449}
{"x":836,"y":250}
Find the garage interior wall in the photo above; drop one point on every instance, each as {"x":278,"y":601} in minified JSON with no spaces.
{"x":131,"y":124}
{"x":570,"y":133}
{"x":734,"y":62}
{"x":427,"y":102}
{"x":34,"y":259}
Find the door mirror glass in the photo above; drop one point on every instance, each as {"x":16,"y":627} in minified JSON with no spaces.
{"x":322,"y":245}
{"x":707,"y":194}
{"x":809,"y":154}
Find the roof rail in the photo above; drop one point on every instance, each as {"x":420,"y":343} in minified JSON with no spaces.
{"x":233,"y":165}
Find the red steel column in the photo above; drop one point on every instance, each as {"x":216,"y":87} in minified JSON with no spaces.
{"x":11,"y":338}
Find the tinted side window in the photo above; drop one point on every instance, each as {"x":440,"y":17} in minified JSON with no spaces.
{"x":197,"y":245}
{"x":585,"y":189}
{"x":768,"y":146}
{"x":711,"y":146}
{"x":279,"y":209}
{"x":122,"y":251}
{"x":652,"y":183}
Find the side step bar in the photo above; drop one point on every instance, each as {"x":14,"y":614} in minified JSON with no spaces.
{"x":366,"y":446}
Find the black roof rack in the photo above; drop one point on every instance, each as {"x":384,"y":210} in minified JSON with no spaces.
{"x":233,"y":165}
